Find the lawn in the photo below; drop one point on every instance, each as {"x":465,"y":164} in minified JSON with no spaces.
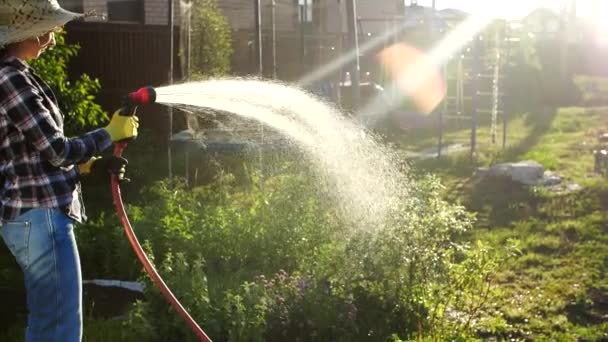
{"x":552,"y":284}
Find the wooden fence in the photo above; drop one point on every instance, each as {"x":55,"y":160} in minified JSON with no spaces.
{"x":124,"y":57}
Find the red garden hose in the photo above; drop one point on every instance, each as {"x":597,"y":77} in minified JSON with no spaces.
{"x":141,"y":255}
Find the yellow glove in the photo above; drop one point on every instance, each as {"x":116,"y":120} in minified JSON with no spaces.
{"x":85,"y":168}
{"x":122,"y":127}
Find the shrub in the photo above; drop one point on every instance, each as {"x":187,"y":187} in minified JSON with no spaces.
{"x":76,"y":98}
{"x":276,"y":264}
{"x":211,"y":39}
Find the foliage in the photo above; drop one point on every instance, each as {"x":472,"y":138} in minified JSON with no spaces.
{"x":594,"y":90}
{"x":553,"y":288}
{"x":273,"y":262}
{"x":76,"y":98}
{"x":211,"y":39}
{"x":276,"y":263}
{"x":537,"y":75}
{"x":523,"y":73}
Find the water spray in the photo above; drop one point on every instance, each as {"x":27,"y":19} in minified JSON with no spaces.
{"x":144,"y":96}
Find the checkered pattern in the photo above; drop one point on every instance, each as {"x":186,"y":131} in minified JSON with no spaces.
{"x":37,"y":162}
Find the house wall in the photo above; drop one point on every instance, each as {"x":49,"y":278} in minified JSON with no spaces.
{"x":99,"y":6}
{"x":241,"y":14}
{"x":333,"y":13}
{"x":155,"y":11}
{"x":294,"y":57}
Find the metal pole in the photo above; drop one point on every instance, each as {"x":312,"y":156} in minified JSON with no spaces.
{"x":504,"y":125}
{"x":171,"y":40}
{"x":506,"y":102}
{"x":474,"y":96}
{"x":440,"y":139}
{"x":187,"y":172}
{"x":188,"y":75}
{"x":274,"y":39}
{"x":395,"y":40}
{"x":496,"y":87}
{"x":170,"y":109}
{"x":259,"y":42}
{"x":304,"y":31}
{"x":351,"y":13}
{"x":189,"y":66}
{"x":258,"y":36}
{"x":340,"y":51}
{"x":302,"y":49}
{"x":444,"y":111}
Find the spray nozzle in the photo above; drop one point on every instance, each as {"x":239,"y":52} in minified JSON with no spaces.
{"x":143,"y":96}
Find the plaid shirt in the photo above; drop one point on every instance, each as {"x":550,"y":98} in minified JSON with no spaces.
{"x":37,"y":162}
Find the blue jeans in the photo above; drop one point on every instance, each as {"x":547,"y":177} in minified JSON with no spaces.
{"x":42,"y":241}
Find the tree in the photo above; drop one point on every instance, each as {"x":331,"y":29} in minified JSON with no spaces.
{"x":211,"y":39}
{"x":76,"y":98}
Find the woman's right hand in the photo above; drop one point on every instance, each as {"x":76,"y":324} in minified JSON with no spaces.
{"x":122,"y":127}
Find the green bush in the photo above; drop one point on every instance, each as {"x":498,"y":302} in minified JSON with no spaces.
{"x":277,"y":263}
{"x":76,"y":98}
{"x":211,"y":39}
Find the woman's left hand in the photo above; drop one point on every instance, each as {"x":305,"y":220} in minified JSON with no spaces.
{"x":104,"y":166}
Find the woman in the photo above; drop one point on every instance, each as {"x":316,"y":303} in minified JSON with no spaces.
{"x":39,"y":170}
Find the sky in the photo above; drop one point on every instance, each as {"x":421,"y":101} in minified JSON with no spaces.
{"x":595,"y":10}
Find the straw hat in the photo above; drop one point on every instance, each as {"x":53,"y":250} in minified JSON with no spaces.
{"x":24,"y":19}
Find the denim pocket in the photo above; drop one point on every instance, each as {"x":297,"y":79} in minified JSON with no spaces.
{"x":16,"y":235}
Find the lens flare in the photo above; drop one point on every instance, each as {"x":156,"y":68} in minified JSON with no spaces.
{"x":350,"y":56}
{"x":431,"y":62}
{"x":415,"y":75}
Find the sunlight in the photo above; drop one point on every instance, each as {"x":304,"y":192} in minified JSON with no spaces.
{"x":597,"y":16}
{"x":439,"y":55}
{"x":417,"y":81}
{"x":349,"y":57}
{"x":483,"y":12}
{"x":415,"y":74}
{"x":514,"y":9}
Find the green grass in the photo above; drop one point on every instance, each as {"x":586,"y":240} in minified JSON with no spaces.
{"x":555,"y":287}
{"x":560,"y":139}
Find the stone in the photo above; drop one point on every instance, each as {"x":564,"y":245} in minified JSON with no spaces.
{"x":525,"y":172}
{"x":573,"y":187}
{"x":481,"y":172}
{"x":551,"y":179}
